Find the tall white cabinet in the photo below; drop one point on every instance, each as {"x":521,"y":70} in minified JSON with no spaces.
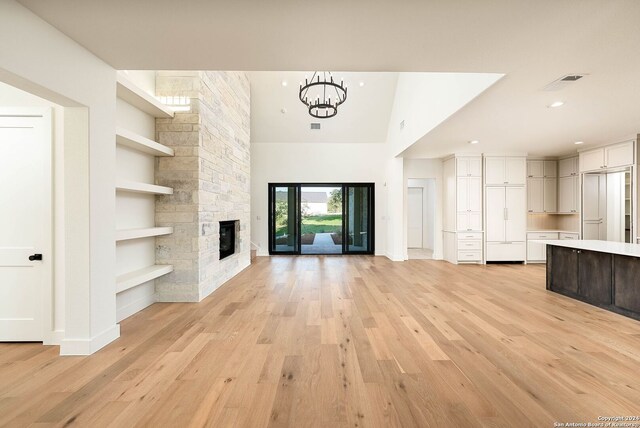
{"x":505,"y":208}
{"x":463,"y":232}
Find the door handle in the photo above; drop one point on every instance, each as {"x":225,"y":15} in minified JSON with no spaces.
{"x":35,"y":257}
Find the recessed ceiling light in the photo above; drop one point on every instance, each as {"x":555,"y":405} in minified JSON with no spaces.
{"x":284,"y":83}
{"x":361,"y":84}
{"x":474,"y":142}
{"x":579,"y":142}
{"x":556,"y":104}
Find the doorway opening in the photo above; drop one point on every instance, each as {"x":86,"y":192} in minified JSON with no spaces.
{"x":318,"y":218}
{"x":421,"y":205}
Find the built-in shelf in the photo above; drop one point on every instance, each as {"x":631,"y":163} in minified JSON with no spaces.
{"x":140,"y":276}
{"x":125,"y":235}
{"x":136,"y":187}
{"x":137,"y":142}
{"x":134,"y":95}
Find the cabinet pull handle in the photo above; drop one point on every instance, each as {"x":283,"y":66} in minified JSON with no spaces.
{"x":506,"y":213}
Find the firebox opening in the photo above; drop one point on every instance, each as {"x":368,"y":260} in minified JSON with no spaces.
{"x":227,"y":238}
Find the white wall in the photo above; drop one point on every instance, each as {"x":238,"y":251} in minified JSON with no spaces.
{"x":424,"y":100}
{"x":41,"y":60}
{"x":315,"y":163}
{"x":13,"y":97}
{"x":426,"y":169}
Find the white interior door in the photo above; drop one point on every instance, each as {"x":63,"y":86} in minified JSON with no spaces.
{"x":415,"y":217}
{"x":496,"y":213}
{"x":25,"y":219}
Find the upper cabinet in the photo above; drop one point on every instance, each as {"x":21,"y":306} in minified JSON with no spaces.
{"x":542,"y":186}
{"x":568,"y":167}
{"x":612,"y":156}
{"x":469,"y":166}
{"x":542,"y":168}
{"x":500,"y":170}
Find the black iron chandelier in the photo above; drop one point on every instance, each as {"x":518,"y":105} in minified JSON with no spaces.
{"x":322,"y":95}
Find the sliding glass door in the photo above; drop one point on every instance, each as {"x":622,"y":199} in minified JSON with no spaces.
{"x":322,"y":218}
{"x":284,"y":209}
{"x":358,"y":208}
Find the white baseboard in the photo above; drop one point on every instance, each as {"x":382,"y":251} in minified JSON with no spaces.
{"x":55,"y":338}
{"x":89,"y":346}
{"x":394,"y":258}
{"x":134,"y":307}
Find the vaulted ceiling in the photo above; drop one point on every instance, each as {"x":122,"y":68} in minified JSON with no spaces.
{"x":532,"y":42}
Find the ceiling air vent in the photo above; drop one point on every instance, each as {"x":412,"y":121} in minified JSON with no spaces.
{"x":562,"y":82}
{"x":315,"y":126}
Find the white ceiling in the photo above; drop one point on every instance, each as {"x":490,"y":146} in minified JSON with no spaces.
{"x":363,"y":118}
{"x":532,"y":42}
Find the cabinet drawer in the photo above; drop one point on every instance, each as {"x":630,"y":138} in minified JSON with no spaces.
{"x":503,"y":251}
{"x":470,"y":235}
{"x":469,"y":256}
{"x":469,"y":245}
{"x":565,"y":236}
{"x":542,"y":235}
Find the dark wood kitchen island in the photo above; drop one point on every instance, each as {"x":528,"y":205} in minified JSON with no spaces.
{"x":602,"y":273}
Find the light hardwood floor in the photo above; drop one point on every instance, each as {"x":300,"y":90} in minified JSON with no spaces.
{"x":343,"y":341}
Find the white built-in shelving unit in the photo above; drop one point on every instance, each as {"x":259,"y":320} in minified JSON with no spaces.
{"x":137,"y":97}
{"x":136,"y":193}
{"x":132,"y":279}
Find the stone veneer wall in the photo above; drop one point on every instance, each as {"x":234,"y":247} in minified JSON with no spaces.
{"x":210,"y":176}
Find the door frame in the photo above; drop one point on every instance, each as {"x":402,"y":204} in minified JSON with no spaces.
{"x":47,"y":283}
{"x":298,"y":221}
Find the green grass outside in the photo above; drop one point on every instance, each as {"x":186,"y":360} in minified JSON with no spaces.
{"x":328,"y":223}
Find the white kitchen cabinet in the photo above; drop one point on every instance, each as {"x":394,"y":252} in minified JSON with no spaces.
{"x":613,"y":156}
{"x":515,"y":216}
{"x":592,"y":160}
{"x":569,"y":195}
{"x":535,"y":168}
{"x":469,"y":167}
{"x":501,"y":170}
{"x":550,"y":168}
{"x":468,"y":221}
{"x":515,"y":171}
{"x":542,"y":195}
{"x":535,"y":195}
{"x":568,"y":167}
{"x":550,"y":195}
{"x":569,"y":236}
{"x":463,"y":201}
{"x":469,"y":194}
{"x":537,"y":251}
{"x":619,"y":155}
{"x":506,"y":251}
{"x":495,"y":213}
{"x":469,"y":203}
{"x":505,"y":223}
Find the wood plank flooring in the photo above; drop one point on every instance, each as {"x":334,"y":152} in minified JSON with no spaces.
{"x":343,"y":342}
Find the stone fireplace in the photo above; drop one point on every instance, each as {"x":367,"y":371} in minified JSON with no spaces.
{"x":210,"y":177}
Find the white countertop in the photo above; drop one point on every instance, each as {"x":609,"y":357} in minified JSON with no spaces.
{"x":610,"y":247}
